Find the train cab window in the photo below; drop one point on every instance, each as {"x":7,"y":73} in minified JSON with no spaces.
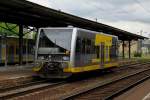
{"x":45,"y":42}
{"x":78,"y":45}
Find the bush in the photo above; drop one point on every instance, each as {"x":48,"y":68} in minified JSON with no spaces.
{"x":137,"y":54}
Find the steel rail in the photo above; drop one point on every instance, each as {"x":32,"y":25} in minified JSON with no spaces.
{"x":34,"y":82}
{"x":98,"y":85}
{"x":123,"y":90}
{"x":132,"y":65}
{"x":22,"y":91}
{"x":27,"y":90}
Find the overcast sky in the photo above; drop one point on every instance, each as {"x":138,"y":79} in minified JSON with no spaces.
{"x":129,"y":15}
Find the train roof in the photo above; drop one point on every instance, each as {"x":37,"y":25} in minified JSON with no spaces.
{"x":96,"y":32}
{"x":80,"y":29}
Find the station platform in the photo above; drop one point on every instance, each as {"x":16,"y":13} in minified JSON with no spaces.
{"x":127,"y":61}
{"x":132,"y":61}
{"x":15,"y":75}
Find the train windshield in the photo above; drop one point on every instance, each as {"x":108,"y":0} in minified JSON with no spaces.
{"x":54,"y":43}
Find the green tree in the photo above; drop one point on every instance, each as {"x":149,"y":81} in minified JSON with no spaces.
{"x":9,"y":28}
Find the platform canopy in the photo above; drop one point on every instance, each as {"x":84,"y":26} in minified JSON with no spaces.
{"x":31,"y":14}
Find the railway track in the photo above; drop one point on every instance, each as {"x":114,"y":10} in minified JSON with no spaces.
{"x":69,"y":90}
{"x":31,"y":83}
{"x":7,"y":93}
{"x":109,"y":90}
{"x":133,"y":65}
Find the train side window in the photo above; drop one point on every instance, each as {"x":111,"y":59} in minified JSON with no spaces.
{"x":78,"y":45}
{"x":92,"y":47}
{"x":113,"y":51}
{"x":107,"y":52}
{"x":88,"y":46}
{"x":97,"y":51}
{"x":83,"y":46}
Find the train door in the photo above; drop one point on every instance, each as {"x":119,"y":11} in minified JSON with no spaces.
{"x":102,"y":54}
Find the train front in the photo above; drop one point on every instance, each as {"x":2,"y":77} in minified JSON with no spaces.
{"x":52,"y":54}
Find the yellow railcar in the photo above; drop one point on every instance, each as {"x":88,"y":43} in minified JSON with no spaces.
{"x":61,"y":52}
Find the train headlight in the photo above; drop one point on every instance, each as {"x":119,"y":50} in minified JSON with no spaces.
{"x":65,"y":58}
{"x":37,"y":66}
{"x":49,"y":56}
{"x":64,"y":65}
{"x":41,"y":58}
